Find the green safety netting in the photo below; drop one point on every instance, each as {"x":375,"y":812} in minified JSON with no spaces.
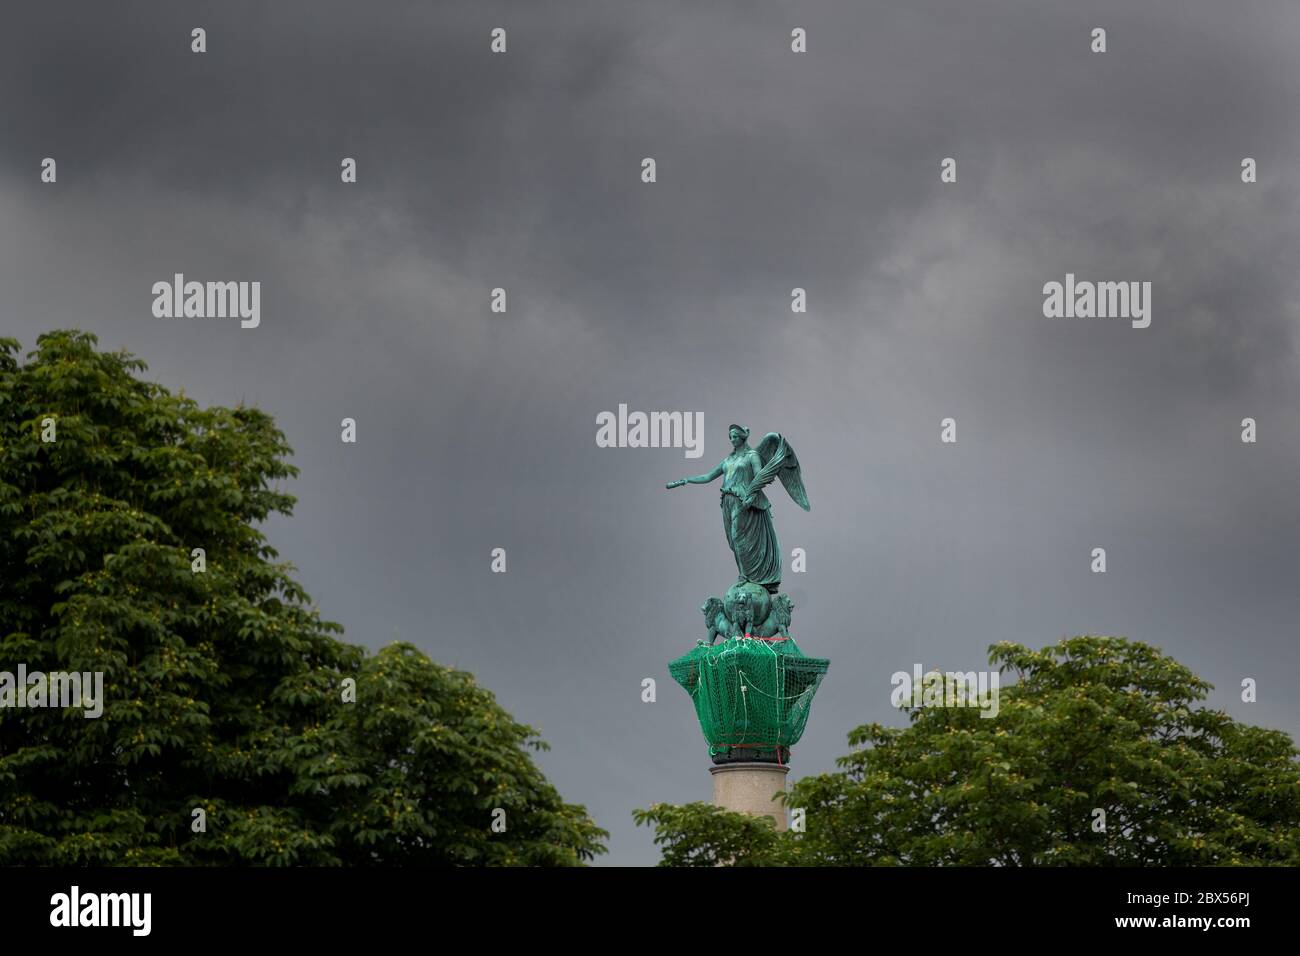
{"x":752,"y":695}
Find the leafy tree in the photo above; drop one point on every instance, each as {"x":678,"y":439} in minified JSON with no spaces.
{"x":700,"y":834}
{"x":224,"y":691}
{"x":1091,"y":723}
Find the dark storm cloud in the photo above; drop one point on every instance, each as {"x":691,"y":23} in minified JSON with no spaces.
{"x":775,"y":171}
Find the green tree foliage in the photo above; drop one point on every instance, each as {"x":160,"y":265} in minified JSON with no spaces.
{"x":224,"y":689}
{"x":1089,"y":723}
{"x":700,"y":834}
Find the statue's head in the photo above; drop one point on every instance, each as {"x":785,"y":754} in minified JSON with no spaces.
{"x":738,"y":435}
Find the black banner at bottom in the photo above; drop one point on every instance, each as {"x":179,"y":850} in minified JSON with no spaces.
{"x":332,"y":906}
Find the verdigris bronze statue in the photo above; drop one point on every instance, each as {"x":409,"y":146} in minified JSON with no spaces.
{"x":746,"y":512}
{"x":753,"y":691}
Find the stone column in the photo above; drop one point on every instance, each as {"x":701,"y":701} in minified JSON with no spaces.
{"x":750,"y":788}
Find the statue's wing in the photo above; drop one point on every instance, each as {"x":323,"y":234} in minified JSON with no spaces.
{"x":792,"y":477}
{"x":779,"y":461}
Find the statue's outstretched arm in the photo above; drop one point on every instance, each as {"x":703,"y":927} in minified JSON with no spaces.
{"x":698,"y":479}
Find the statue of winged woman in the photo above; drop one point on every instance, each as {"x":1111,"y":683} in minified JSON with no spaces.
{"x":746,"y":512}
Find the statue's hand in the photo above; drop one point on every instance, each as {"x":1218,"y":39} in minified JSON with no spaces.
{"x":748,"y":501}
{"x":676,"y":484}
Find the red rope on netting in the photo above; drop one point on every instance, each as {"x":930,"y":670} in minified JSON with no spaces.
{"x":755,"y":637}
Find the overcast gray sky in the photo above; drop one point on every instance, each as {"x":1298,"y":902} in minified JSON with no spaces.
{"x":775,"y":170}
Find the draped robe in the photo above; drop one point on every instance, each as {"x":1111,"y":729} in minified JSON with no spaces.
{"x":750,"y":532}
